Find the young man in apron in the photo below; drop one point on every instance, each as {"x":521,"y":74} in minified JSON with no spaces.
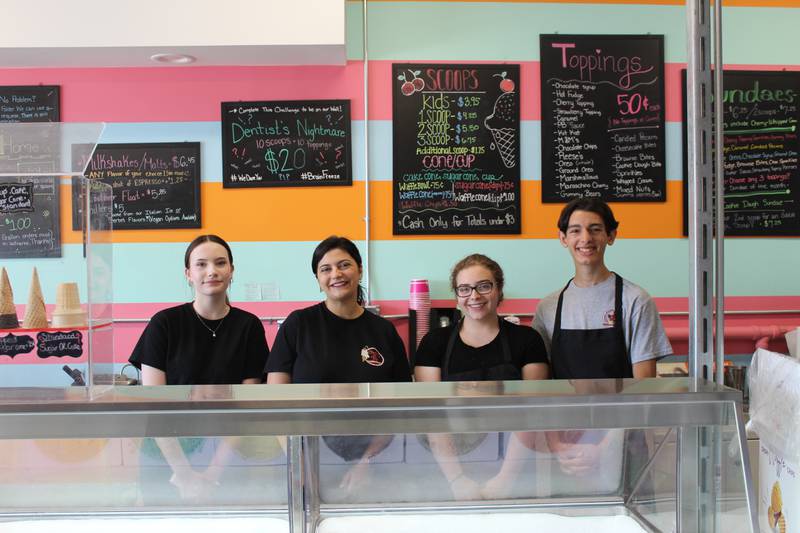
{"x":598,"y":326}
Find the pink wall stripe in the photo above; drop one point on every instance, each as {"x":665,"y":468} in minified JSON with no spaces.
{"x":175,"y":94}
{"x":126,"y":334}
{"x":188,"y":94}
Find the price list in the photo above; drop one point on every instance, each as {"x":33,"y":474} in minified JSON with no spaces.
{"x":603,"y":114}
{"x":760,"y":153}
{"x":456,"y":146}
{"x":286,"y":143}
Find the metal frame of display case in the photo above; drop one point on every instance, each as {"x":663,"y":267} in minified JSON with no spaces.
{"x":298,"y":411}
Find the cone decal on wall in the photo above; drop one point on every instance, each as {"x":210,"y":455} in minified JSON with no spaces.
{"x":35,"y":315}
{"x":8,"y":313}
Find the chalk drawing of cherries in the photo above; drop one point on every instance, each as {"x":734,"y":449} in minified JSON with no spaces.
{"x":506,"y":84}
{"x":410,"y":87}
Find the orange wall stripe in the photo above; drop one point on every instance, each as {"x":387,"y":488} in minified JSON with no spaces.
{"x":313,"y":213}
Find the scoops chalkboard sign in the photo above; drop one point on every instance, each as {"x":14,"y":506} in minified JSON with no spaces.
{"x":33,"y":103}
{"x":760,"y":154}
{"x":286,"y":143}
{"x":155,"y":185}
{"x":456,"y":149}
{"x":603,"y":117}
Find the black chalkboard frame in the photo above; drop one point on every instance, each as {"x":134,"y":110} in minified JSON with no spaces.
{"x":192,"y":147}
{"x":52,"y":93}
{"x":514,"y":71}
{"x":774,"y":232}
{"x":547,"y":126}
{"x":227,"y":183}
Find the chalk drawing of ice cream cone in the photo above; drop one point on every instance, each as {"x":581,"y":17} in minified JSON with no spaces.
{"x":502,"y":123}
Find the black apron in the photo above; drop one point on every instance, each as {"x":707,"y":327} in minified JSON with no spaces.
{"x":505,"y":370}
{"x":591,"y":353}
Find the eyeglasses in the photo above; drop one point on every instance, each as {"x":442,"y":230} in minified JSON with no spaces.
{"x":482,"y":287}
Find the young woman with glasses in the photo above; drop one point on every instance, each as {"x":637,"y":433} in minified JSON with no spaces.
{"x":480,"y":347}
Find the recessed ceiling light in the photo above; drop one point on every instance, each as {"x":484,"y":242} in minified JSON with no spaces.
{"x":173,"y":59}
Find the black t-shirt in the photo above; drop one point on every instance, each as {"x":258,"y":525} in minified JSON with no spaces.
{"x":176,"y":342}
{"x":524,"y":343}
{"x":316,"y":346}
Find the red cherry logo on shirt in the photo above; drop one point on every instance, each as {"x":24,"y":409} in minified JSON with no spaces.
{"x":371,"y":356}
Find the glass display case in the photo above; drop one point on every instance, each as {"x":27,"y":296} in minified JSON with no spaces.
{"x":56,"y":252}
{"x":627,"y":455}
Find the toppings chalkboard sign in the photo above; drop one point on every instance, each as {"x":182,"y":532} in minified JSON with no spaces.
{"x":286,"y":143}
{"x":456,"y":149}
{"x":603,"y":117}
{"x":34,"y":103}
{"x":155,"y":185}
{"x":760,"y":154}
{"x":29,"y":217}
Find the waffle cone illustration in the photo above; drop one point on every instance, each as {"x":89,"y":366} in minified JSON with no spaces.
{"x":777,"y":521}
{"x":8,"y":312}
{"x":502,"y":123}
{"x":35,"y":315}
{"x":68,"y":312}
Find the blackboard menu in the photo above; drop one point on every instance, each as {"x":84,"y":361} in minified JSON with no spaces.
{"x":286,"y":143}
{"x":13,"y":345}
{"x":59,"y":344}
{"x":34,"y":103}
{"x":603,"y":117}
{"x":456,"y":149}
{"x":155,"y":185}
{"x":760,"y":154}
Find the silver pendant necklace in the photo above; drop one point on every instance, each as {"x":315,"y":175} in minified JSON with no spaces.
{"x":213,"y":331}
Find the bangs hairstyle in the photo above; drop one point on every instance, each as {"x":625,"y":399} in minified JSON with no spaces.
{"x":480,"y":260}
{"x":335,"y":242}
{"x":203,"y":239}
{"x":593,"y":205}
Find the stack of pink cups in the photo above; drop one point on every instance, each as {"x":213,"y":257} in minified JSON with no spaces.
{"x":420,"y":301}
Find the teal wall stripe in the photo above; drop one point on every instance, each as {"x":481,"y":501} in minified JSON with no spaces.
{"x":459,"y":31}
{"x":208,"y":134}
{"x":153,"y":272}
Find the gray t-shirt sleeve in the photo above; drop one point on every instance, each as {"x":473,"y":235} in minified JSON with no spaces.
{"x":645,"y":332}
{"x":544,"y":319}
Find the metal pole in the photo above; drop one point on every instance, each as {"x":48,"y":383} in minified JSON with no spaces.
{"x":696,"y":509}
{"x":294,"y":474}
{"x":699,"y":130}
{"x":366,"y":163}
{"x":719,"y":204}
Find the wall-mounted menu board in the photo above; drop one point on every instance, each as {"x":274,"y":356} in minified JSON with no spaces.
{"x":155,"y":185}
{"x":29,"y":217}
{"x":29,"y":103}
{"x":456,"y":149}
{"x":603,"y":117}
{"x":760,"y":155}
{"x":286,"y":143}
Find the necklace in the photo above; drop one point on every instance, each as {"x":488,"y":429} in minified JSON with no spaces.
{"x":213,"y":331}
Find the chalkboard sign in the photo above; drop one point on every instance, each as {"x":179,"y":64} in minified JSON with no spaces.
{"x":29,"y":217}
{"x":29,"y":206}
{"x":155,"y":185}
{"x":12,"y":345}
{"x":59,"y":344}
{"x":286,"y":144}
{"x":603,"y":117}
{"x":760,"y":155}
{"x":456,"y":149}
{"x":35,"y":103}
